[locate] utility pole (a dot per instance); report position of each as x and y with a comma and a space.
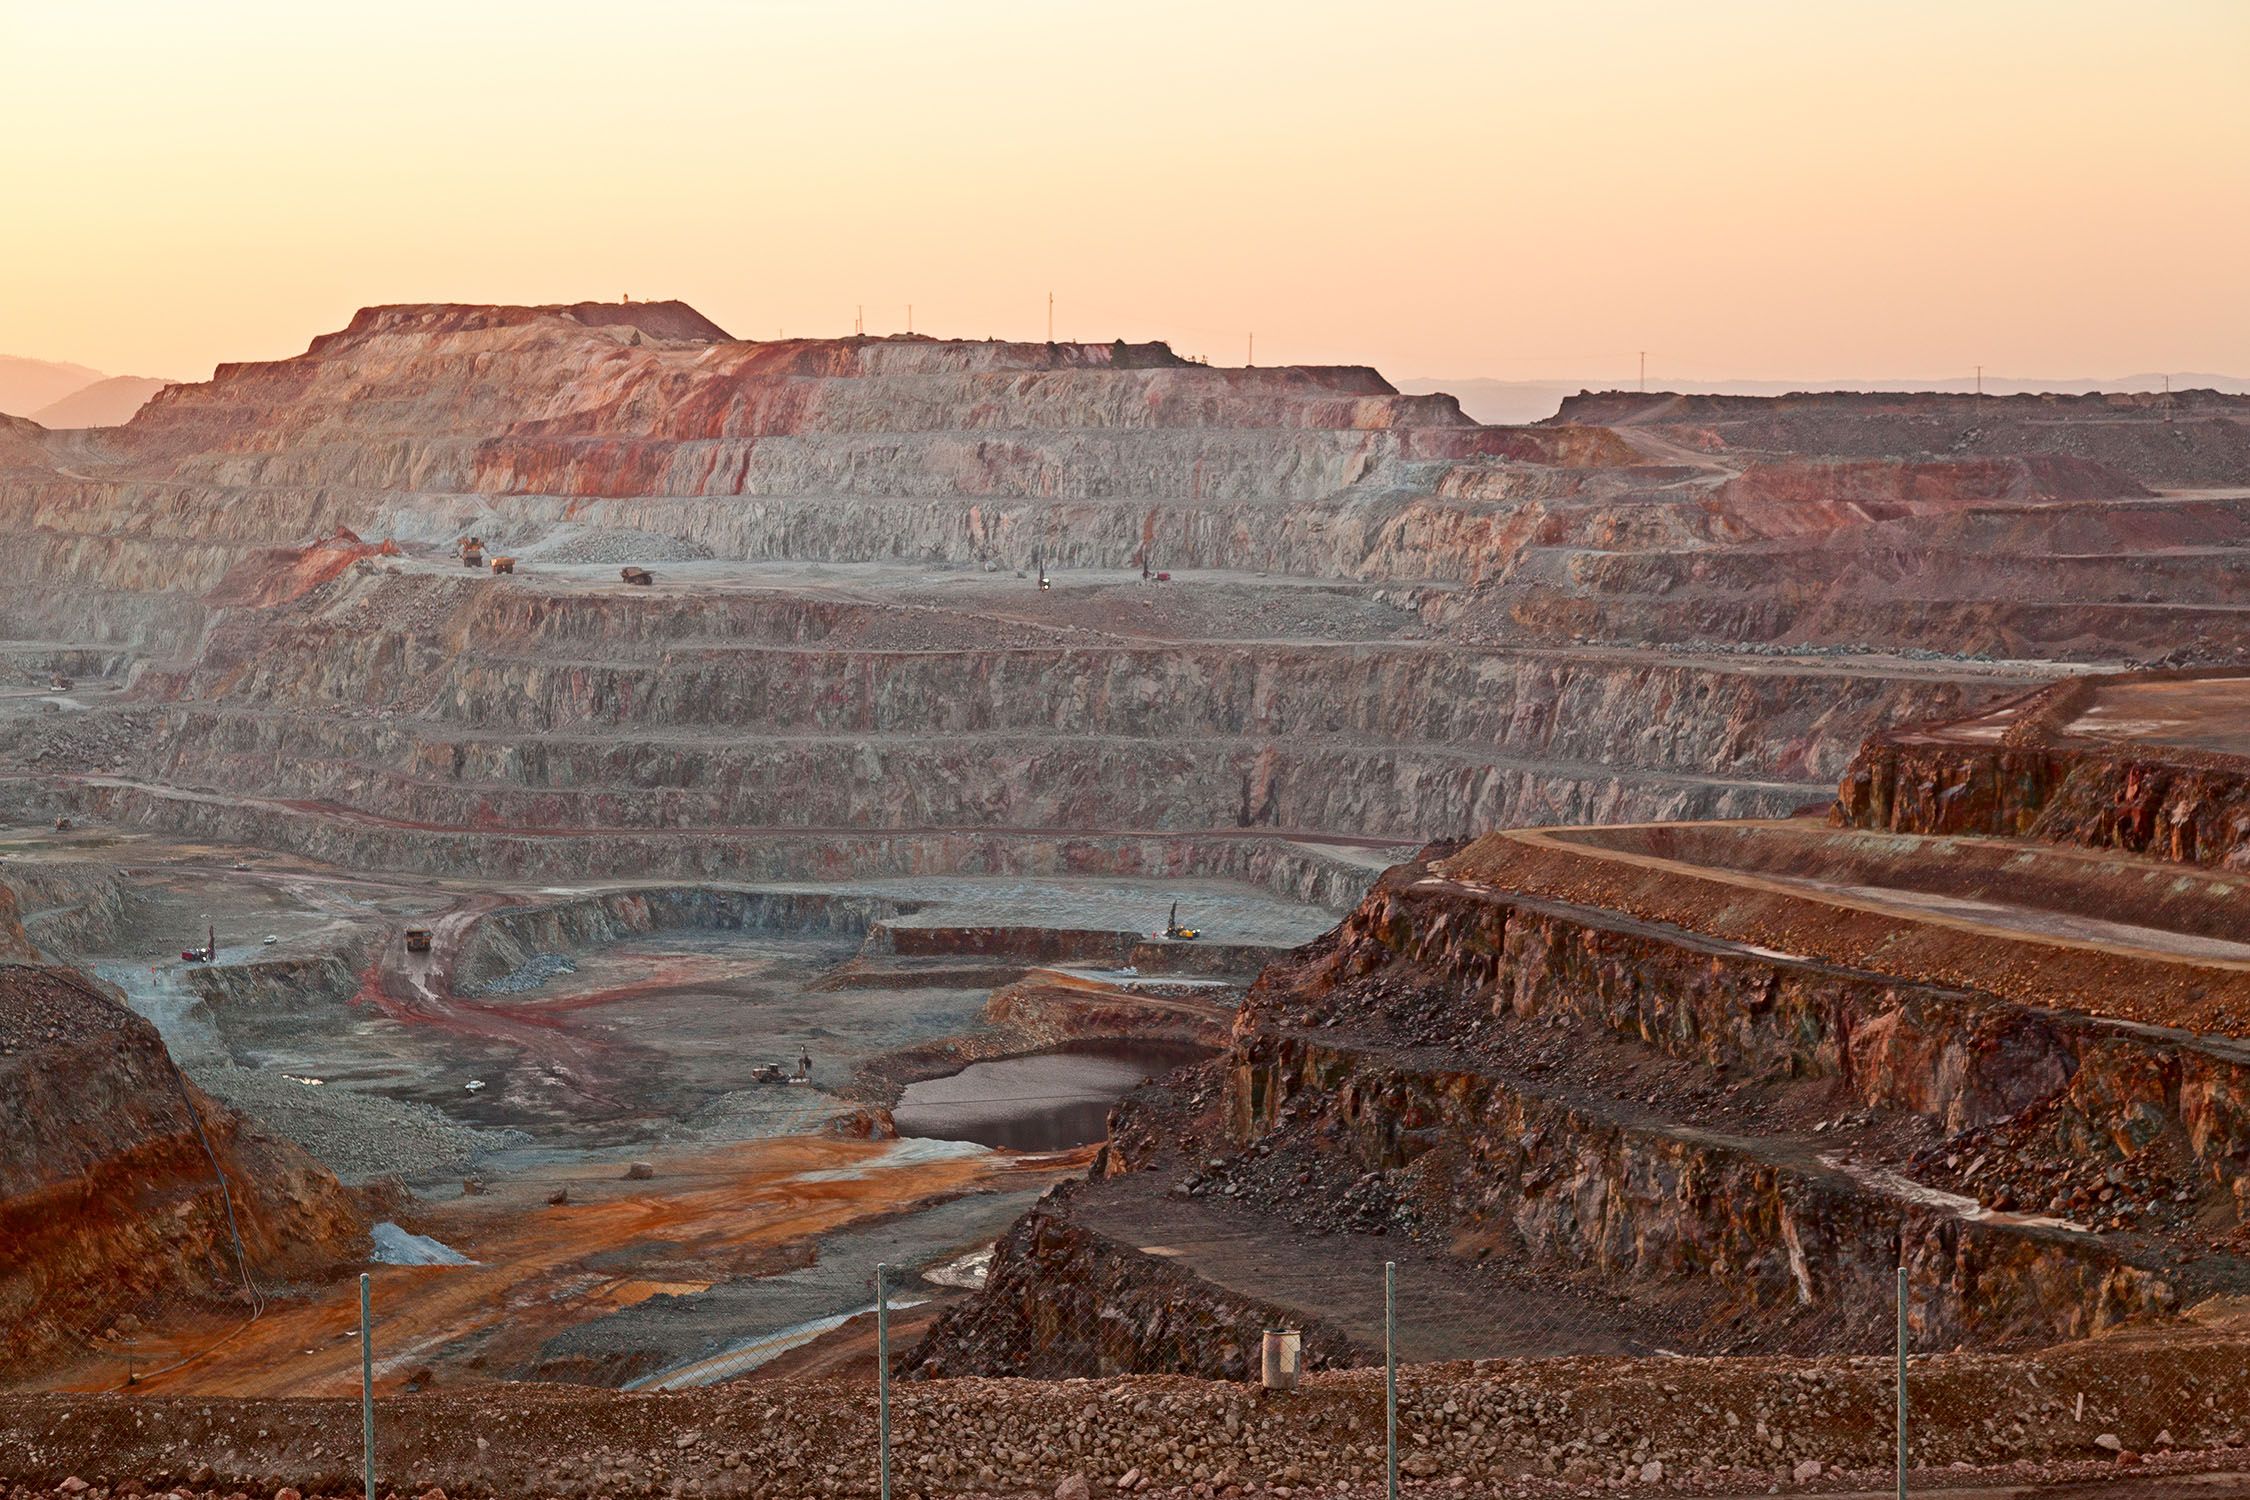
132, 1348
859, 319
909, 317
367, 1382
1050, 317
883, 1377
1980, 381
1390, 1380
1251, 356
1644, 371
1902, 1383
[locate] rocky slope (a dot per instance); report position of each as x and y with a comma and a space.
122, 1186
2154, 763
1388, 622
1698, 1087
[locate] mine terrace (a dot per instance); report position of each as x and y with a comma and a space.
1132, 846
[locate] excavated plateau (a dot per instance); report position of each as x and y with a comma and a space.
1382, 622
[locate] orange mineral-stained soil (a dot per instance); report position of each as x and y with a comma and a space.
744, 1210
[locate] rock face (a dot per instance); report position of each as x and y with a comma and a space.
1063, 1301
1728, 1077
1389, 621
111, 1166
2066, 765
15, 944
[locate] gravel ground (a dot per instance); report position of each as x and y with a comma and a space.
357, 1136
2099, 1413
533, 973
620, 544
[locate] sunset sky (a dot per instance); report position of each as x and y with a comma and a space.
1798, 189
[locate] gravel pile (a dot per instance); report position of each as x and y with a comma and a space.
357, 1136
619, 544
532, 974
1533, 1428
75, 740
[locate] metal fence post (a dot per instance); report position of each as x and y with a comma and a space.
367, 1380
1390, 1379
883, 1375
1902, 1383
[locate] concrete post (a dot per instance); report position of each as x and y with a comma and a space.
367, 1380
883, 1375
1390, 1379
1902, 1383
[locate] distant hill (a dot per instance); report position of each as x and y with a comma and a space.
1509, 402
105, 403
28, 384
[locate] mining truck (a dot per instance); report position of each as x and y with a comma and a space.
641, 576
417, 939
472, 553
503, 565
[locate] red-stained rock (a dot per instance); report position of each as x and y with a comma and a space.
107, 1195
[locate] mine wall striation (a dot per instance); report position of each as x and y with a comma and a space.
1457, 1065
2026, 772
501, 941
1966, 1059
1286, 864
264, 558
65, 906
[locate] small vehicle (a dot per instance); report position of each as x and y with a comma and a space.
241, 864
271, 939
1163, 578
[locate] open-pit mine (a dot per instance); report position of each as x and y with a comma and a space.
617, 831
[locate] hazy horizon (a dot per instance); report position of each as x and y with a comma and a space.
30, 386
1748, 190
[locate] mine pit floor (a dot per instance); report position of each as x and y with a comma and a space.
636, 1051
559, 1291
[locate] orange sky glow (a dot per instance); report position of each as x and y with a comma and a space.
1775, 189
